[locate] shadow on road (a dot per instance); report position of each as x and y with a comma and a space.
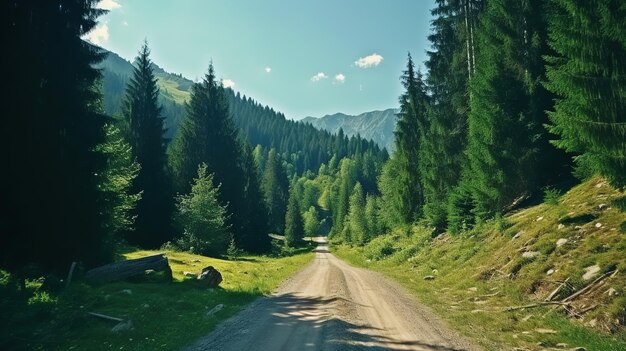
295, 314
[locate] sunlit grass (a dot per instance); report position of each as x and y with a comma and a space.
170, 88
165, 315
479, 273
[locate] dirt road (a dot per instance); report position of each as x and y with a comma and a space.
330, 305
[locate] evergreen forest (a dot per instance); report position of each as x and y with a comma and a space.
515, 99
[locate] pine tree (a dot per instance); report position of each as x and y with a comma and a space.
589, 75
294, 228
344, 184
311, 222
506, 137
396, 211
49, 172
357, 221
449, 72
275, 187
202, 218
208, 135
145, 132
372, 211
255, 238
410, 129
118, 202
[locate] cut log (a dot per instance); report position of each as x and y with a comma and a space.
556, 291
127, 269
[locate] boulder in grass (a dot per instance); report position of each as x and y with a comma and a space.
209, 277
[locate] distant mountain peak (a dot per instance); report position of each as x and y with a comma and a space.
376, 125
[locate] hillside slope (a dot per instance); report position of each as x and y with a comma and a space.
375, 125
174, 89
575, 244
307, 147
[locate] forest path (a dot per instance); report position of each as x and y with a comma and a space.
330, 305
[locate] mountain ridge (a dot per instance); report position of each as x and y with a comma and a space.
377, 125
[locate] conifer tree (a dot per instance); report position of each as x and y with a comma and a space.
344, 183
255, 237
49, 172
145, 132
449, 72
410, 129
311, 222
506, 136
294, 227
208, 135
275, 187
357, 221
371, 216
202, 218
395, 208
589, 75
115, 181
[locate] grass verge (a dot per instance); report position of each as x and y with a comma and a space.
165, 315
478, 274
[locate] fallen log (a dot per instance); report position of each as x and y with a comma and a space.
539, 304
586, 288
556, 291
104, 316
129, 268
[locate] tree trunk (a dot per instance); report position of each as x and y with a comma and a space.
467, 39
126, 269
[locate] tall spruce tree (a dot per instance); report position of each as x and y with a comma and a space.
143, 122
343, 186
395, 210
506, 136
356, 217
115, 182
589, 75
410, 129
449, 71
275, 187
208, 135
294, 226
49, 136
255, 237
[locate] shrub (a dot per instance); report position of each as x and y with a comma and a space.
551, 196
203, 218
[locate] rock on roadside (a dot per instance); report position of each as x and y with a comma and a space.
209, 277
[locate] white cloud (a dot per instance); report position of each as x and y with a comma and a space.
340, 78
228, 83
268, 69
108, 5
318, 77
125, 24
99, 35
372, 60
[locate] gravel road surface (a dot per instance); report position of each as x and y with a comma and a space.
330, 305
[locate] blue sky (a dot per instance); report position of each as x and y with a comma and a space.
301, 57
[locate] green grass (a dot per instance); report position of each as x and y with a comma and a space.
170, 88
166, 315
481, 272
